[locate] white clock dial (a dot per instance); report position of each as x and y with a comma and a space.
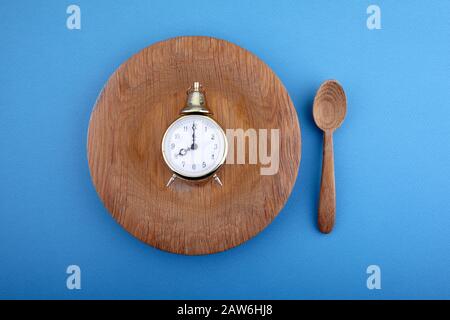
194, 146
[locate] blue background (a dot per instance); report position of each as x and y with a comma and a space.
392, 154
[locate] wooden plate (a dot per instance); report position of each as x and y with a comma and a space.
138, 103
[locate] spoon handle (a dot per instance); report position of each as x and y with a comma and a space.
327, 198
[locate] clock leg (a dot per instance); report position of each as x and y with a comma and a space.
172, 179
217, 179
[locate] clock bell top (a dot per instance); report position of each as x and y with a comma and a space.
196, 100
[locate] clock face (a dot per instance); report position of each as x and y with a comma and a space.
194, 146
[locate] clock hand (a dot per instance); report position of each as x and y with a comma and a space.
183, 151
193, 146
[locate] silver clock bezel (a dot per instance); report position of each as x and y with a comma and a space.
219, 164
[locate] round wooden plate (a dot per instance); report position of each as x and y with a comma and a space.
138, 103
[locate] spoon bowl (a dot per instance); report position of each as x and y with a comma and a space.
330, 106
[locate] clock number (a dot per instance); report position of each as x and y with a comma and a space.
193, 166
185, 128
206, 128
204, 164
215, 146
177, 136
183, 163
172, 146
212, 156
213, 137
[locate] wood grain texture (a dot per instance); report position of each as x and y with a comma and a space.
327, 196
329, 110
139, 102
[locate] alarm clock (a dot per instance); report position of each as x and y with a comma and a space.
194, 146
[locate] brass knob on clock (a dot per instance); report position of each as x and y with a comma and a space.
196, 100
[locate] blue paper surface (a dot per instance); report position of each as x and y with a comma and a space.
392, 154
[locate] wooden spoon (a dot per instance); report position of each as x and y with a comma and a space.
330, 107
